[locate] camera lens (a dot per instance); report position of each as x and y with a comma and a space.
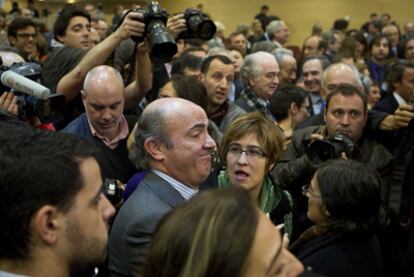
163, 45
202, 27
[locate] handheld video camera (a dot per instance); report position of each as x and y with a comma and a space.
34, 99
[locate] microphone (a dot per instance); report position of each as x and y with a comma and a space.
25, 85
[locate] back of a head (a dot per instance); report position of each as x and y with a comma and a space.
351, 192
283, 98
191, 89
211, 235
37, 168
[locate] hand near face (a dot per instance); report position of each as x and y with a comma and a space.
131, 26
176, 24
315, 137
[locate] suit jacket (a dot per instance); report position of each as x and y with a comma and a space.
388, 104
135, 224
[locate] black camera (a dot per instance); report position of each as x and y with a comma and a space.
322, 150
33, 99
198, 25
162, 44
112, 191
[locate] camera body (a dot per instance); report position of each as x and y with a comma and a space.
162, 44
48, 110
198, 25
322, 150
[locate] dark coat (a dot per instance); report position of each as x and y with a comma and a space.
340, 255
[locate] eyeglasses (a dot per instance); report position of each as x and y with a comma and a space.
307, 189
251, 152
26, 36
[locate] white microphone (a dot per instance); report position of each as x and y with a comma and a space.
22, 84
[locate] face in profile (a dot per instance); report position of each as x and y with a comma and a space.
87, 222
188, 159
316, 209
268, 256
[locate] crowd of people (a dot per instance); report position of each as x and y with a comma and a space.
167, 150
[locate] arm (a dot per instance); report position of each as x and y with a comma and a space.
143, 79
71, 84
401, 117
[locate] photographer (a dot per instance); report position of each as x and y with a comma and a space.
345, 114
71, 83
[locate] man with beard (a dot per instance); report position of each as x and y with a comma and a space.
217, 75
377, 64
55, 216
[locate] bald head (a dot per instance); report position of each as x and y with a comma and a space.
103, 98
172, 138
103, 77
339, 73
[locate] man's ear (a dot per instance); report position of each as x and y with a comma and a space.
155, 149
293, 109
202, 77
47, 222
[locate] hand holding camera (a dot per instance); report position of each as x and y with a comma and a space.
131, 26
321, 149
403, 115
176, 24
8, 103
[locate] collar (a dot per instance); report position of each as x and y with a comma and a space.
186, 192
399, 99
123, 133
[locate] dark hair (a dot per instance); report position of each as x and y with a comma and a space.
377, 39
206, 63
347, 90
64, 17
186, 61
210, 235
350, 191
402, 47
281, 100
193, 49
37, 168
191, 89
322, 59
359, 37
18, 24
397, 72
340, 24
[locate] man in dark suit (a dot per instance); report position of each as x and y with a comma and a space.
173, 144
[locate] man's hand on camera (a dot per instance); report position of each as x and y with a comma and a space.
8, 102
131, 26
176, 24
315, 136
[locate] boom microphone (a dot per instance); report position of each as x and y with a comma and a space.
25, 85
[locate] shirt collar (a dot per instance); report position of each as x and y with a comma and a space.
186, 192
123, 133
399, 99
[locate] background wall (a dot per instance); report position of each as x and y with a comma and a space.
300, 15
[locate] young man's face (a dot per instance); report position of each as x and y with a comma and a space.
77, 34
25, 40
87, 221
